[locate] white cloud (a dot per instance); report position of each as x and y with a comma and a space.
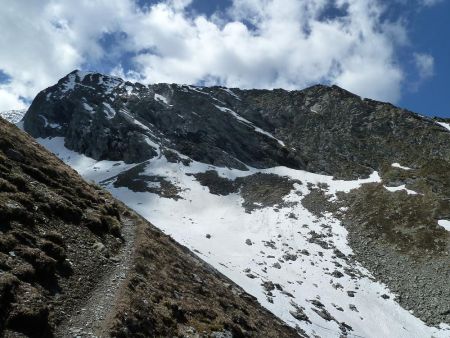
42, 41
425, 65
257, 44
289, 46
9, 100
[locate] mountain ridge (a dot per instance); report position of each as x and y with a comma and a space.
330, 124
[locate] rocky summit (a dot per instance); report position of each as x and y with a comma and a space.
333, 211
320, 129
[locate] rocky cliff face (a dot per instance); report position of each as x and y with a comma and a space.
319, 129
289, 193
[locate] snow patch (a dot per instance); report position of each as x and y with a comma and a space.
229, 91
50, 125
401, 187
129, 90
248, 123
397, 165
109, 111
87, 107
133, 120
163, 99
110, 83
445, 224
445, 125
69, 85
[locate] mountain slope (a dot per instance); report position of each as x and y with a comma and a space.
223, 172
76, 262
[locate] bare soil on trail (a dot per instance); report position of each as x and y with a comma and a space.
91, 318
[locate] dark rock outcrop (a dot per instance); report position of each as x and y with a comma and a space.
320, 129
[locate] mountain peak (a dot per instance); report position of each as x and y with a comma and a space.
230, 127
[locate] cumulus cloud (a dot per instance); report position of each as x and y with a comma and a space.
272, 43
9, 100
252, 44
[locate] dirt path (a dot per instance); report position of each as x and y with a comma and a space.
91, 317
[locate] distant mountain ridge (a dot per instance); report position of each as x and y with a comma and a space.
13, 116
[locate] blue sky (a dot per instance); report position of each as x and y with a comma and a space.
395, 51
430, 32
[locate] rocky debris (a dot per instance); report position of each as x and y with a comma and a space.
270, 244
351, 293
290, 257
320, 309
268, 286
339, 308
216, 184
258, 190
324, 314
353, 307
395, 236
317, 238
318, 202
339, 254
276, 265
135, 180
344, 327
299, 313
305, 252
317, 303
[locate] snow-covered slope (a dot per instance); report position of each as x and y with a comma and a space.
13, 116
298, 264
